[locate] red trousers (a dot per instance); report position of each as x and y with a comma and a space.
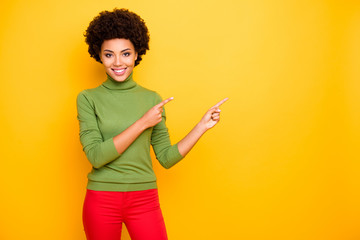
105, 211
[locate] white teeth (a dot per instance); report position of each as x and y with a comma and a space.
119, 71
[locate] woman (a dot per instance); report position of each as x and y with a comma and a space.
118, 121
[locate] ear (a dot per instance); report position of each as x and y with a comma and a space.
136, 55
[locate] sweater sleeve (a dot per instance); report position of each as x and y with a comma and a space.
98, 151
168, 155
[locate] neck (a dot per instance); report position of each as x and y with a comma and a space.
128, 83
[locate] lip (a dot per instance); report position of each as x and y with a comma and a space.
119, 73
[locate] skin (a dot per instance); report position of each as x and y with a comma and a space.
120, 54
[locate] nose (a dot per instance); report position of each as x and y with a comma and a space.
117, 61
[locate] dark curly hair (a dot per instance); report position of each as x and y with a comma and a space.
119, 23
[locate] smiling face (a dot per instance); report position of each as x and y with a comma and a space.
118, 56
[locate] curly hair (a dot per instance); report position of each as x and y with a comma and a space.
119, 23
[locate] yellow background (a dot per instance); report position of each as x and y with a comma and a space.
283, 162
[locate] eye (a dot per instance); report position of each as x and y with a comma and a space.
107, 55
126, 54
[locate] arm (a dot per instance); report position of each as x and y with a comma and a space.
152, 117
100, 152
209, 120
167, 154
97, 150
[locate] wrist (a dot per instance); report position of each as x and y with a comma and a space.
141, 124
201, 128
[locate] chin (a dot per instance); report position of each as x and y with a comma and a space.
118, 78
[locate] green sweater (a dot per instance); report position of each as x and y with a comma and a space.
106, 111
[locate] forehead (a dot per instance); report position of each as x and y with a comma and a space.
117, 44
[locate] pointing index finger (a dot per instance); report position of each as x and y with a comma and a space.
164, 102
219, 103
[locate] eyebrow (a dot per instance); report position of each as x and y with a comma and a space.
120, 51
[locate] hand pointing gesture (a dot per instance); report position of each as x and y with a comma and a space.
212, 116
154, 115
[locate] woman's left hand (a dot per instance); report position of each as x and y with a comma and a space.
212, 116
210, 119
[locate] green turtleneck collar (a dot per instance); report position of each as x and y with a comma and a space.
128, 83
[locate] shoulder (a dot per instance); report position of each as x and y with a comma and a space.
151, 93
89, 93
85, 96
82, 98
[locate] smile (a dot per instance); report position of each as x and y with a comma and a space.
119, 71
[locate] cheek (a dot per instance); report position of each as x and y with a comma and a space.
107, 62
131, 61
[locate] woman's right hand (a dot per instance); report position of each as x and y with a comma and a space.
154, 115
